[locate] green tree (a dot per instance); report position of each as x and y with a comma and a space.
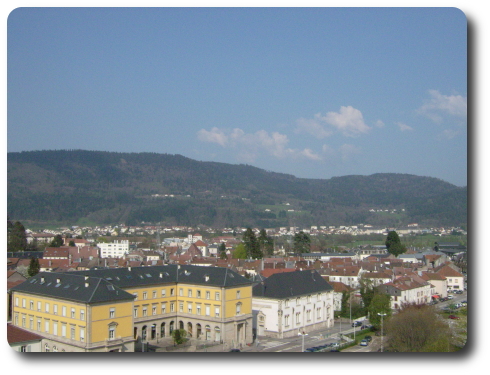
17, 240
179, 336
417, 328
240, 252
34, 267
266, 243
367, 291
57, 241
301, 242
380, 304
394, 245
251, 244
344, 307
71, 243
222, 251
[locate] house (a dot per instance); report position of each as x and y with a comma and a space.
439, 282
23, 341
288, 303
455, 279
407, 290
116, 249
338, 290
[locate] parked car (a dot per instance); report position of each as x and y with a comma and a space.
450, 296
464, 303
234, 350
453, 317
364, 342
368, 338
335, 345
356, 324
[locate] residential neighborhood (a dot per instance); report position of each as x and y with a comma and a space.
118, 294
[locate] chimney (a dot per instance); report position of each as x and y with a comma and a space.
129, 268
42, 279
58, 281
86, 277
206, 277
161, 274
86, 285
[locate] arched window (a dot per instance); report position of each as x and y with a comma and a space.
217, 334
162, 330
143, 333
46, 347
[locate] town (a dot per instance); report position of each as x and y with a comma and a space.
153, 288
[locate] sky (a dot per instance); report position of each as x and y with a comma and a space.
312, 92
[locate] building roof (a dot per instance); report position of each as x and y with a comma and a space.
16, 335
291, 284
171, 273
72, 286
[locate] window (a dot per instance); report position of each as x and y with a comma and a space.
145, 295
189, 293
216, 296
208, 310
46, 326
63, 330
297, 301
16, 319
39, 306
189, 308
135, 312
46, 347
112, 332
181, 292
208, 295
308, 299
63, 310
286, 303
46, 306
181, 306
298, 320
198, 294
164, 292
112, 312
318, 312
82, 334
172, 291
198, 309
73, 313
82, 314
17, 301
23, 349
216, 312
39, 325
24, 303
154, 310
308, 315
135, 296
23, 321
172, 307
154, 294
55, 328
286, 320
31, 322
238, 294
145, 311
31, 305
238, 308
72, 333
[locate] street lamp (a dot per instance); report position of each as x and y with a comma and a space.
382, 314
303, 334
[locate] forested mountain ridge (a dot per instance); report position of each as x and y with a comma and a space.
76, 186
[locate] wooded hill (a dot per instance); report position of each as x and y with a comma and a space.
76, 187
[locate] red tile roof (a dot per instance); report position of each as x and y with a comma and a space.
18, 335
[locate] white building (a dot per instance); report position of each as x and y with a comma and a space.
116, 249
288, 303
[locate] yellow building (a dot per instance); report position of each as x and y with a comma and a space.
74, 312
119, 309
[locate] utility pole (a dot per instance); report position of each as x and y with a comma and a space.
382, 314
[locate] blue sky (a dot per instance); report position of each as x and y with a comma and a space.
313, 92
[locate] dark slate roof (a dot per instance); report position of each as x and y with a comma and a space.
72, 287
172, 273
291, 284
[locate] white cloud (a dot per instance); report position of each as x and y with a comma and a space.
349, 121
449, 134
249, 146
404, 127
379, 124
440, 105
213, 136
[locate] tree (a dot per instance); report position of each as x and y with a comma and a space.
301, 242
34, 267
71, 243
57, 241
344, 307
367, 292
17, 240
240, 252
222, 251
394, 245
266, 243
380, 303
179, 336
417, 328
251, 244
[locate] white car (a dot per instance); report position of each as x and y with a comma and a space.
450, 296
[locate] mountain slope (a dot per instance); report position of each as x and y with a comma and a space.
109, 187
